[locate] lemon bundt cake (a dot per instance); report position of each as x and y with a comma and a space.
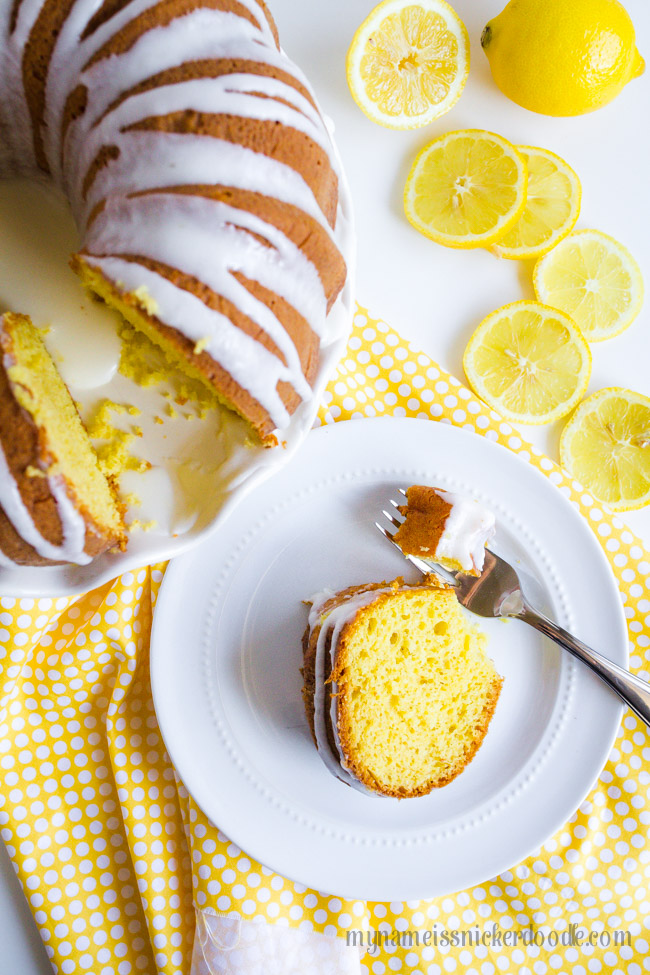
55, 504
200, 174
446, 528
398, 689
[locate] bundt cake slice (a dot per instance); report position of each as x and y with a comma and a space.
202, 179
448, 528
56, 506
398, 689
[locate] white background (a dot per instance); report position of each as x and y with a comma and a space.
434, 296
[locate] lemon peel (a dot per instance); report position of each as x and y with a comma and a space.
528, 362
408, 62
466, 188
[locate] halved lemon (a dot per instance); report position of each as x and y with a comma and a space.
408, 62
606, 446
529, 362
466, 189
593, 278
552, 207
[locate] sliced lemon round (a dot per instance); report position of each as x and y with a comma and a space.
408, 62
606, 446
529, 362
466, 189
552, 206
593, 278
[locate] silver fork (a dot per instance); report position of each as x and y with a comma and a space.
497, 592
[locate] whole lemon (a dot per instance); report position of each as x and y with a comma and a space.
562, 57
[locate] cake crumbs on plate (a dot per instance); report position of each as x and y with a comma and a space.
147, 365
132, 500
143, 526
114, 455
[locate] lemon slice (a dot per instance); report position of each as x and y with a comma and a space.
529, 362
552, 206
408, 62
593, 278
606, 446
466, 189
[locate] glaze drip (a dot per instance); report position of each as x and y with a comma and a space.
107, 122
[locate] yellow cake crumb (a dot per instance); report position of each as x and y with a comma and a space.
143, 526
114, 456
132, 500
32, 471
201, 345
140, 360
158, 419
171, 411
146, 300
100, 426
147, 365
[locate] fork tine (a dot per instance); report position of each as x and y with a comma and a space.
397, 514
396, 505
402, 491
392, 520
384, 531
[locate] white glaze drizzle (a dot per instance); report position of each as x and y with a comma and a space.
332, 624
201, 244
467, 530
281, 268
73, 527
228, 344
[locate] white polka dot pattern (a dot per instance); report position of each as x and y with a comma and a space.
109, 847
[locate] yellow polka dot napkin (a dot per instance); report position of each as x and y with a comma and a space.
123, 872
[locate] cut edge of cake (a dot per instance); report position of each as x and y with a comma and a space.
327, 647
56, 505
446, 527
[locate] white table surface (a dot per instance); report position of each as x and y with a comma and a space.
435, 296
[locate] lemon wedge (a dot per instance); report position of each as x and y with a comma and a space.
529, 362
466, 189
408, 62
552, 207
606, 446
595, 280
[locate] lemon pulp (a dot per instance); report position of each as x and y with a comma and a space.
606, 446
466, 189
408, 62
528, 362
552, 206
595, 280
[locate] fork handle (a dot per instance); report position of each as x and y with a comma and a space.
634, 691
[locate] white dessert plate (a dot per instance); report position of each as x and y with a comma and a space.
198, 470
226, 657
